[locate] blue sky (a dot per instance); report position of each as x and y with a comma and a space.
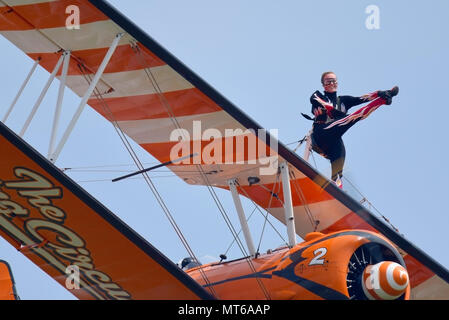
267, 57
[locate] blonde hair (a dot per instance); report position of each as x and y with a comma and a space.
325, 74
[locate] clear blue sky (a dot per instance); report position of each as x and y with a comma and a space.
267, 57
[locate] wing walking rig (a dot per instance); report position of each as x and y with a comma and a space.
122, 73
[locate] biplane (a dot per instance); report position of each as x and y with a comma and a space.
151, 97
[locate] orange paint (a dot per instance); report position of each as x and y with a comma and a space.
56, 224
311, 270
7, 290
152, 106
53, 14
123, 59
11, 21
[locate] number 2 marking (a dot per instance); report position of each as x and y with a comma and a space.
318, 259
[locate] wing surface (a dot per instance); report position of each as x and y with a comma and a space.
170, 111
75, 239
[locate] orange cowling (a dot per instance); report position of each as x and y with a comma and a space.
322, 267
7, 289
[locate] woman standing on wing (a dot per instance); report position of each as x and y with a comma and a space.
331, 120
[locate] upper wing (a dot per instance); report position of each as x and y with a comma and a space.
156, 100
74, 239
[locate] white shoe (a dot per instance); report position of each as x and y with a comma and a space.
339, 183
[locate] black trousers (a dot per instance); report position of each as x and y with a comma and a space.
330, 145
327, 137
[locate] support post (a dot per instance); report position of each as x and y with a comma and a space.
242, 218
288, 204
65, 68
308, 147
86, 97
41, 97
19, 93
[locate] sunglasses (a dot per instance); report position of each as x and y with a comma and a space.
330, 81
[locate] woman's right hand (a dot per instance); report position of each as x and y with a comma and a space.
317, 112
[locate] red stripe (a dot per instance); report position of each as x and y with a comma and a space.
360, 113
162, 150
10, 20
53, 14
349, 221
181, 103
123, 59
418, 273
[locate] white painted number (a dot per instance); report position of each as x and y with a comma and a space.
318, 259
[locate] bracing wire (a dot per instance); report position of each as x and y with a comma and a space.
234, 233
272, 195
265, 216
148, 181
172, 116
364, 199
303, 199
268, 211
238, 233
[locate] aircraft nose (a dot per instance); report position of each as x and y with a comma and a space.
386, 280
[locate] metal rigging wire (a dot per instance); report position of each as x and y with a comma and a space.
272, 195
173, 118
149, 182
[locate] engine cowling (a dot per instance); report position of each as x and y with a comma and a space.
375, 272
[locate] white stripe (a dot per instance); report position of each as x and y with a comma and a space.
390, 276
131, 83
79, 85
137, 82
218, 174
93, 35
30, 41
159, 130
434, 288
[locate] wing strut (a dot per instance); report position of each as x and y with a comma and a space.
288, 204
41, 97
86, 96
308, 148
19, 93
242, 218
65, 68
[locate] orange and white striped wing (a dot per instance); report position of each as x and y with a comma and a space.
150, 94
